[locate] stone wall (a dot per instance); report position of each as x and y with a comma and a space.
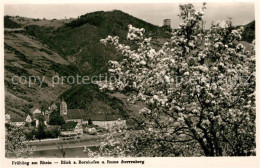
109, 124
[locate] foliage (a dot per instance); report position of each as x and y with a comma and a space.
90, 122
33, 123
27, 124
46, 51
15, 143
199, 91
48, 133
95, 20
52, 133
41, 134
56, 118
249, 33
29, 136
8, 23
65, 70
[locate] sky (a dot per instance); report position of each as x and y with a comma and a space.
240, 12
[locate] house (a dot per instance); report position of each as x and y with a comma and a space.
71, 128
53, 107
107, 121
110, 124
28, 119
36, 111
17, 121
7, 118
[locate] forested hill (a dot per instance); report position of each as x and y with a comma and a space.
79, 40
249, 33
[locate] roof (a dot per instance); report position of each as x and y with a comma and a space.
75, 114
7, 116
53, 106
36, 111
29, 116
81, 114
103, 117
69, 126
17, 119
38, 115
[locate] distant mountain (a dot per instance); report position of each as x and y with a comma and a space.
79, 40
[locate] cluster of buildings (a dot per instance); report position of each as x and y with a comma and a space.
35, 116
74, 119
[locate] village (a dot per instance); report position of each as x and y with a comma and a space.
63, 123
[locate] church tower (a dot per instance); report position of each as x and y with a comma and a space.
63, 108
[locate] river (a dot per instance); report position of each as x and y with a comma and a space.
69, 153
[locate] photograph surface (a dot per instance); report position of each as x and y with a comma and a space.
129, 80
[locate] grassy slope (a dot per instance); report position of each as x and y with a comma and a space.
25, 56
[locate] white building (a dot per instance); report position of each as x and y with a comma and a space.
37, 123
36, 111
53, 107
28, 119
7, 118
71, 128
110, 124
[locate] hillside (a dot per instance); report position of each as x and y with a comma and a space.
9, 23
89, 97
249, 33
24, 56
79, 40
65, 49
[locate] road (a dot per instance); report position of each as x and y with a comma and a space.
85, 140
